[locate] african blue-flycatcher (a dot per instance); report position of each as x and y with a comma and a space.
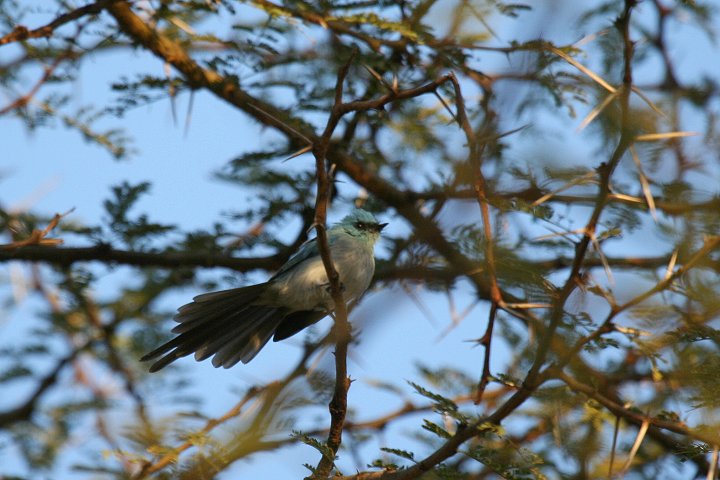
233, 325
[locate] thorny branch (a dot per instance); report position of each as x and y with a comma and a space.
475, 153
338, 404
607, 326
635, 417
341, 328
21, 33
605, 171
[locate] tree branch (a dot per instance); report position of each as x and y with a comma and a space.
634, 417
198, 77
475, 152
341, 328
605, 171
20, 33
66, 256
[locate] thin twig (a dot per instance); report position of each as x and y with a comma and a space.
172, 456
37, 237
605, 171
23, 100
338, 404
630, 415
21, 33
486, 341
607, 325
475, 152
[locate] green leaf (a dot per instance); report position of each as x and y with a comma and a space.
321, 447
441, 404
400, 453
436, 429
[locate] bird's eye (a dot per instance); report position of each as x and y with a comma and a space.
360, 225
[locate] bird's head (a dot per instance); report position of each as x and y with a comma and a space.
361, 223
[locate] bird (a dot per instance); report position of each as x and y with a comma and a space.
234, 325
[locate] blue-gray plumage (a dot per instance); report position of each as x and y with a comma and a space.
233, 325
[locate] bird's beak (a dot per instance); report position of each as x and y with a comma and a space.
381, 226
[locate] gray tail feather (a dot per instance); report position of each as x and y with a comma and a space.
209, 306
225, 324
245, 346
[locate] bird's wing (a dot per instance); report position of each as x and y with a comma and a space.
308, 250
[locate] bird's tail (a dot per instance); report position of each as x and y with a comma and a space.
226, 324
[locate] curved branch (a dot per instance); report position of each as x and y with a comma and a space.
199, 77
635, 417
20, 32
